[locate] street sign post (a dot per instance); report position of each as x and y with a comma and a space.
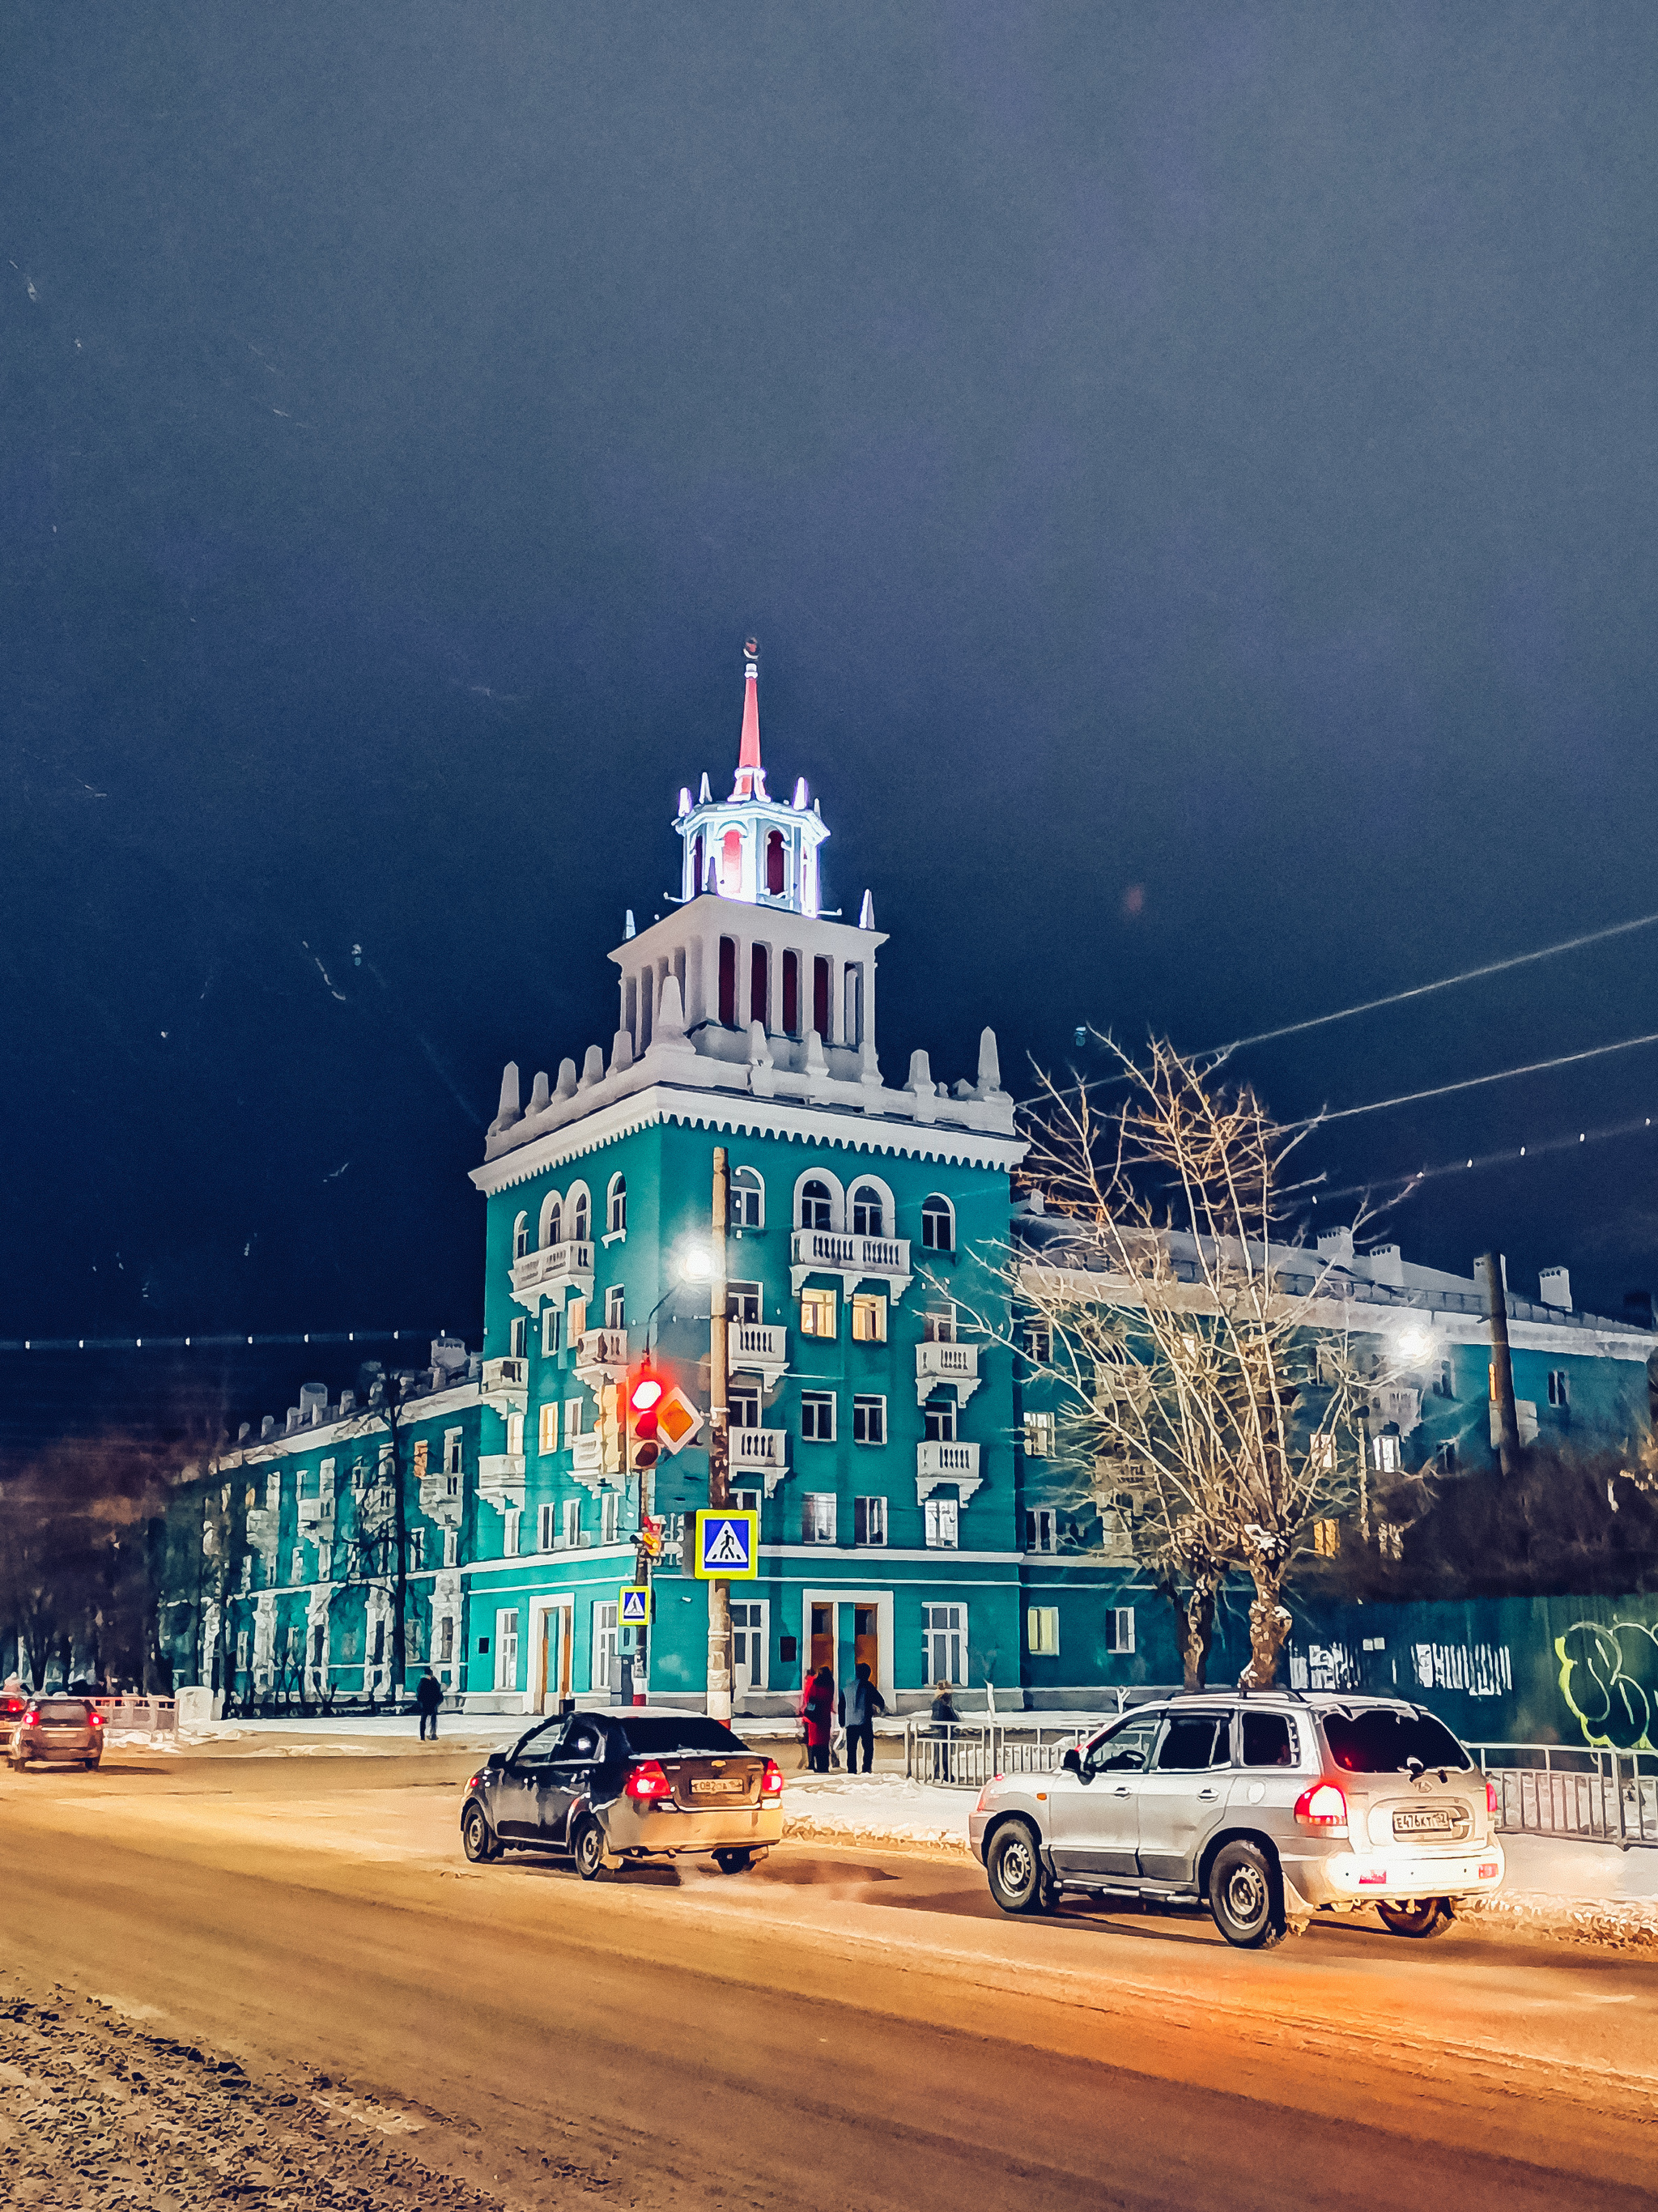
633, 1608
725, 1546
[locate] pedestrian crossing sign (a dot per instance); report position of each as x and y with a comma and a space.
635, 1609
727, 1546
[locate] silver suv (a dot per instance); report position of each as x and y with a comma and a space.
1270, 1807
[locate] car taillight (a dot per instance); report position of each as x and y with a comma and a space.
31, 1719
477, 1782
647, 1782
97, 1720
1323, 1806
1490, 1797
771, 1781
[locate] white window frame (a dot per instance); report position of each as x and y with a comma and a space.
1041, 1529
547, 1523
930, 1204
296, 1564
1041, 1624
615, 1306
518, 1336
872, 1512
547, 1431
816, 1403
453, 1441
1387, 1453
862, 1403
817, 1302
818, 1514
506, 1651
870, 1308
606, 1634
417, 1551
521, 1236
451, 1547
615, 1207
552, 1219
748, 1198
609, 1516
943, 1516
1559, 1386
832, 1184
938, 1326
759, 1629
573, 1419
747, 1395
1039, 1435
1120, 1630
944, 1644
941, 1420
570, 1524
883, 1201
515, 1435
509, 1526
550, 1330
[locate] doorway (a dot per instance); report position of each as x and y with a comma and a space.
866, 1639
823, 1636
555, 1656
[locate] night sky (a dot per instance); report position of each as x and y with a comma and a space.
1191, 470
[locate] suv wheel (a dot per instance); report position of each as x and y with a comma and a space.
1017, 1881
588, 1849
1423, 1915
476, 1839
1246, 1898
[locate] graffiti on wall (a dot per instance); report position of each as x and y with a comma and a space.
1609, 1680
1478, 1670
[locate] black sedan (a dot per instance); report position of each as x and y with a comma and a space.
640, 1784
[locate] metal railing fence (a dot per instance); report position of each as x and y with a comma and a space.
1573, 1792
139, 1716
966, 1754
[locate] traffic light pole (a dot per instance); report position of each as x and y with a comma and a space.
719, 1484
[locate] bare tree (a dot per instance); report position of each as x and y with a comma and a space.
375, 1555
1185, 1342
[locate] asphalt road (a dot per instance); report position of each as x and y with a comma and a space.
320, 2003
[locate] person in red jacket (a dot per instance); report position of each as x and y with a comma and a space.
818, 1711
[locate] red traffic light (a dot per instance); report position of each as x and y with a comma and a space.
646, 1394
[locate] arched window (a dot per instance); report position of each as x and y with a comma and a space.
776, 864
938, 1224
817, 1206
731, 863
760, 986
791, 994
868, 1216
618, 1203
699, 873
552, 1221
748, 1199
520, 1236
728, 982
579, 1218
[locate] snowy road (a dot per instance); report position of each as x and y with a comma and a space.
845, 2026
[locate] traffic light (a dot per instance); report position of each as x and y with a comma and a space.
644, 1396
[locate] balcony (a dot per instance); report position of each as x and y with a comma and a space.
942, 1462
317, 1516
764, 1452
854, 1259
441, 1498
593, 1461
937, 1363
507, 1384
753, 1350
262, 1529
551, 1273
501, 1481
601, 1356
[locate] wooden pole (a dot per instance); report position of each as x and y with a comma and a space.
1501, 1389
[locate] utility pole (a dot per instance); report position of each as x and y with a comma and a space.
1502, 1390
719, 1484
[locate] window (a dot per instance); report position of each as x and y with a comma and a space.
573, 1419
509, 1535
515, 1435
1268, 1740
1327, 1539
743, 1302
318, 1637
748, 1642
571, 1531
1322, 1452
817, 1416
610, 1517
521, 1236
776, 861
1041, 1630
326, 1479
296, 1568
445, 1641
1038, 1342
579, 1216
1039, 1435
548, 1516
1039, 1531
547, 1435
869, 1316
507, 1650
451, 1547
748, 1199
324, 1562
517, 1337
617, 1202
616, 1306
943, 1523
820, 997
817, 1316
817, 1517
792, 995
944, 1644
416, 1550
939, 1420
851, 1026
1445, 1462
1384, 1450
1192, 1741
869, 1420
451, 1448
1124, 1749
728, 982
760, 986
817, 1205
869, 1520
937, 1224
1559, 1387
549, 1318
939, 1327
1120, 1628
552, 1221
745, 1501
377, 1654
743, 1406
868, 1214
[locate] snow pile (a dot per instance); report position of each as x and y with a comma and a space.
878, 1809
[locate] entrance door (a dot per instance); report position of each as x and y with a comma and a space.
823, 1636
865, 1640
1095, 1817
558, 1654
606, 1673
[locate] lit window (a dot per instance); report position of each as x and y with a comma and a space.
1385, 1451
748, 1199
869, 1316
547, 1435
1327, 1539
1042, 1631
869, 1420
817, 1314
515, 1435
869, 1520
618, 1204
817, 1517
1039, 1435
816, 1206
868, 1214
943, 1520
937, 1224
817, 1416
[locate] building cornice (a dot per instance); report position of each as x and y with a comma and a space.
361, 1422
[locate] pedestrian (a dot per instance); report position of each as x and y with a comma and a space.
818, 1710
944, 1710
859, 1706
428, 1696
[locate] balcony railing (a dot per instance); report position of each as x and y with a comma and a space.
601, 1351
936, 1462
754, 1349
507, 1381
854, 1259
262, 1529
439, 1503
550, 1273
316, 1512
500, 1479
764, 1452
946, 1363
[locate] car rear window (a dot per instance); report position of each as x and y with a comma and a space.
1379, 1741
658, 1736
61, 1709
1267, 1741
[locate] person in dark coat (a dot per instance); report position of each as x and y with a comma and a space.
818, 1711
428, 1696
859, 1706
943, 1706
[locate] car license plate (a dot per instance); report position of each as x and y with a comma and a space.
1425, 1823
703, 1786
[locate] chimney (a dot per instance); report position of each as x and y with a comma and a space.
1336, 1244
1554, 1288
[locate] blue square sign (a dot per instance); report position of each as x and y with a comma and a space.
727, 1546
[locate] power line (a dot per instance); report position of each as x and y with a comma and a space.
1474, 1082
1510, 1156
209, 1343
